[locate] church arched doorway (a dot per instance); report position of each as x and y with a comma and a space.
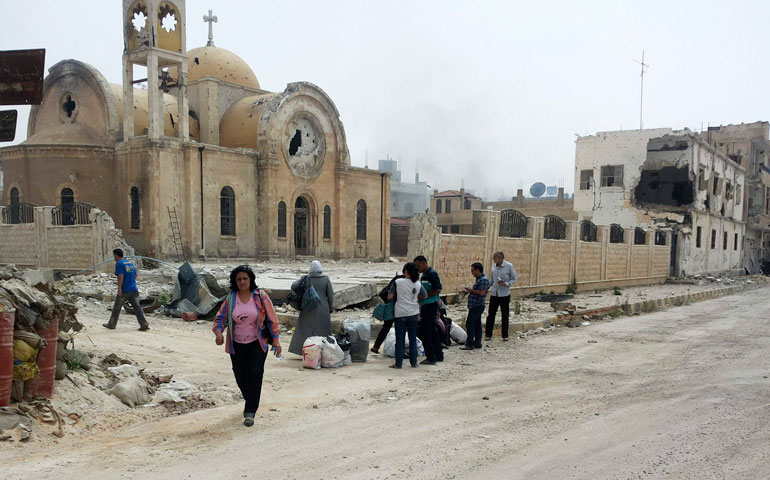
301, 226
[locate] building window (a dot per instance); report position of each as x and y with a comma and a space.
135, 213
724, 241
640, 236
735, 244
713, 239
702, 185
715, 185
738, 194
697, 237
67, 206
227, 211
660, 238
586, 179
361, 220
447, 206
438, 206
327, 222
617, 234
467, 204
455, 229
281, 219
612, 176
444, 229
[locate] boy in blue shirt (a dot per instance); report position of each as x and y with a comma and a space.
127, 292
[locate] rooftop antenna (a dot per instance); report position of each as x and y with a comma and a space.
641, 94
462, 183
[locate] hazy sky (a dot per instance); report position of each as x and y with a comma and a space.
489, 92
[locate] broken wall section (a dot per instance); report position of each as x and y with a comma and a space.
62, 247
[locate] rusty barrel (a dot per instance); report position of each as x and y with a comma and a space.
46, 361
6, 356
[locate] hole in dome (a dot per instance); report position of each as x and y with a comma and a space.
295, 143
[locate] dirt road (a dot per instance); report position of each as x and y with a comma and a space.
682, 393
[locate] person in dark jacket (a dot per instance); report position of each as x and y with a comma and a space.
431, 341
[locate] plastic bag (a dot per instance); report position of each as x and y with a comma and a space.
332, 355
384, 311
389, 346
311, 352
457, 333
359, 332
23, 351
343, 340
132, 392
347, 360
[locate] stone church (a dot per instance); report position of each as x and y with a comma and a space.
203, 161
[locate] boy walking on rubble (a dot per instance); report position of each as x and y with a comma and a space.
127, 292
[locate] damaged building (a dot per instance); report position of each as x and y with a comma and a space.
749, 145
202, 161
659, 181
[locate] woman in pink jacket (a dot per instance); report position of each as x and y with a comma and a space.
252, 326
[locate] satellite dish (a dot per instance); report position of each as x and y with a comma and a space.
537, 189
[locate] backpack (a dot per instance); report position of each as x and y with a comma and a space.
384, 292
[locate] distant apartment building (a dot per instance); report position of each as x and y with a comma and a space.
406, 198
657, 180
454, 210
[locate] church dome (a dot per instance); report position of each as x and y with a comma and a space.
222, 64
240, 123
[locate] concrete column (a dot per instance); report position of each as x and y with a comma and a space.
183, 107
651, 250
532, 230
42, 218
629, 237
604, 232
538, 243
128, 98
574, 238
154, 98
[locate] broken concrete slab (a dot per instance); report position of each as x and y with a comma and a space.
40, 276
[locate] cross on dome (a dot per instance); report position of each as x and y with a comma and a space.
211, 20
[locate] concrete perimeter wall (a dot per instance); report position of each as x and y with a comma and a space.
61, 247
541, 264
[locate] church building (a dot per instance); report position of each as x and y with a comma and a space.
201, 162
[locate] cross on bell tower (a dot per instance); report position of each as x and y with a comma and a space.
211, 20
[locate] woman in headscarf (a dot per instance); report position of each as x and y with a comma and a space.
318, 321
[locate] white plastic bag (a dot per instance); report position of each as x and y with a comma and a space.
389, 346
311, 352
133, 392
332, 355
347, 360
457, 333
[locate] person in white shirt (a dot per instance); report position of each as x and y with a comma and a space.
502, 277
407, 291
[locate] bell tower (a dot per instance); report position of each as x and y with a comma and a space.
154, 37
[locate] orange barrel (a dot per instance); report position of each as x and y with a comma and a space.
46, 361
6, 356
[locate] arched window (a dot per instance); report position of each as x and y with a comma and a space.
281, 219
361, 220
438, 206
617, 234
660, 238
135, 214
67, 206
640, 236
227, 211
327, 221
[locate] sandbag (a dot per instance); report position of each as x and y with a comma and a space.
78, 357
347, 360
133, 391
389, 345
23, 351
457, 333
332, 355
359, 332
311, 352
33, 339
25, 370
61, 370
